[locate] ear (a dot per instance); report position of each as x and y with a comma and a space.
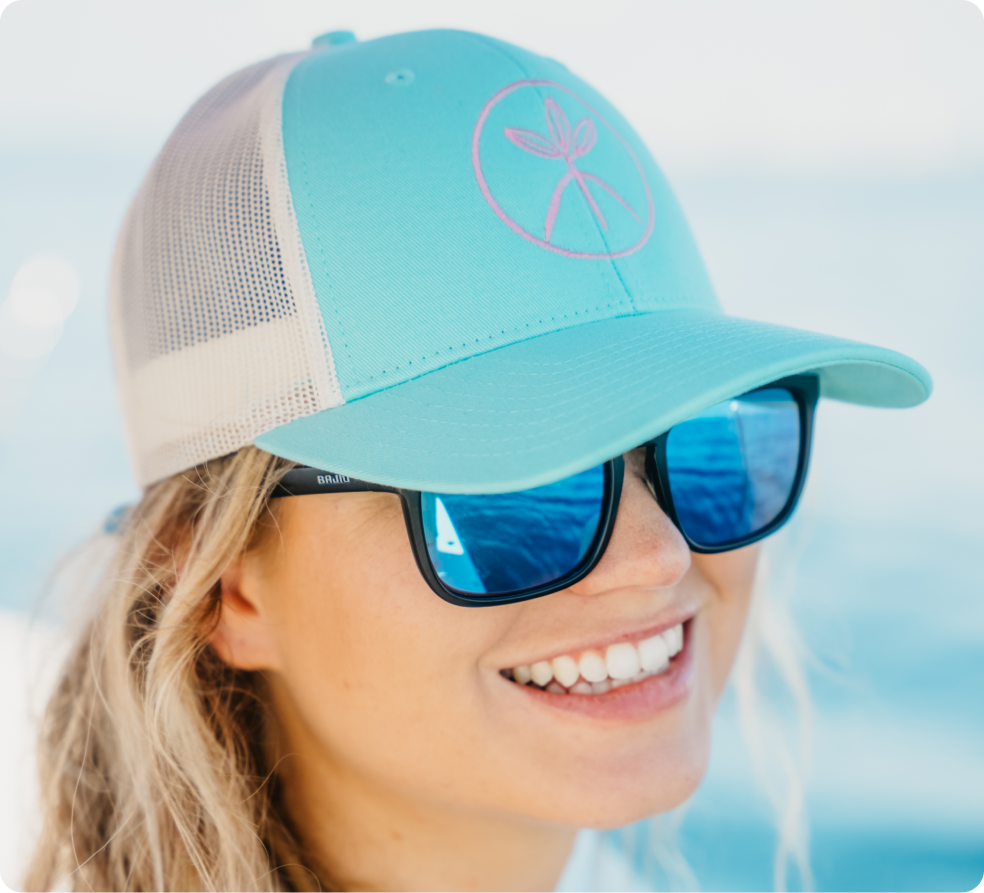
244, 637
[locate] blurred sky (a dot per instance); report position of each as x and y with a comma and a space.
868, 86
830, 158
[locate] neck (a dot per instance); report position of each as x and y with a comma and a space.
363, 833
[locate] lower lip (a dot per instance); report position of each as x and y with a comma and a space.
637, 701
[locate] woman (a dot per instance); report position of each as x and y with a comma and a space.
455, 477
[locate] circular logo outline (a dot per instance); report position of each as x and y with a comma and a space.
512, 224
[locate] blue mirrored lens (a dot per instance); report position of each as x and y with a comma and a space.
510, 542
732, 469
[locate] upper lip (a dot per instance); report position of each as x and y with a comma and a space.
599, 642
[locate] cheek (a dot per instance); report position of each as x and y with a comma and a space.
370, 655
729, 578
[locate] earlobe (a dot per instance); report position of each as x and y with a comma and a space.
243, 636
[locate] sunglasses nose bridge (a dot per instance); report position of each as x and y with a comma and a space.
653, 479
644, 548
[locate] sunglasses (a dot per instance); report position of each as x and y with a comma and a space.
726, 478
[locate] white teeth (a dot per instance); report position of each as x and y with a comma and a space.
565, 670
593, 667
542, 673
655, 653
623, 663
622, 660
674, 639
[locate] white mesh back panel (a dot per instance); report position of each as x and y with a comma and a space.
216, 329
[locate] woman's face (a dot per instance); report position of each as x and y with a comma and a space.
382, 680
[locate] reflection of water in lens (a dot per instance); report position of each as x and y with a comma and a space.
516, 540
732, 468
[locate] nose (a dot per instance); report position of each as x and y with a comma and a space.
646, 549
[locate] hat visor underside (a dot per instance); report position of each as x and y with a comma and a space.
534, 412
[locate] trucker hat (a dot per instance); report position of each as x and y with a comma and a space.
432, 260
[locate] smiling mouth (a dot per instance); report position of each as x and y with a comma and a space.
598, 671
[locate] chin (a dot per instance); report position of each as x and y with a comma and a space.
650, 793
631, 787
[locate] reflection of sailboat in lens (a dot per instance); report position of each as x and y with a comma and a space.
568, 145
453, 565
447, 536
504, 542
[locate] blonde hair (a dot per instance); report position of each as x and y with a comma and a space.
154, 754
775, 715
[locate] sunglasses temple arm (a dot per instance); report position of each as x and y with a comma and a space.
305, 481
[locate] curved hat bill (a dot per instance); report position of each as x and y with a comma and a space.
539, 410
431, 260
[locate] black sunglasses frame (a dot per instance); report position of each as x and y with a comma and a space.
304, 481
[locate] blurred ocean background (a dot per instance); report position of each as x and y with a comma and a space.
830, 158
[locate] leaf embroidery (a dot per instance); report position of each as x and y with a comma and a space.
562, 143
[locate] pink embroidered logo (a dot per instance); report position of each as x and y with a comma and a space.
502, 180
569, 146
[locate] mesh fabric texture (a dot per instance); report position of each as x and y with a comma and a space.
216, 329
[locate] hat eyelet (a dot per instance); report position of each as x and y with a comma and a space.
403, 77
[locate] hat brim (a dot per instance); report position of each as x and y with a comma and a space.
542, 409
